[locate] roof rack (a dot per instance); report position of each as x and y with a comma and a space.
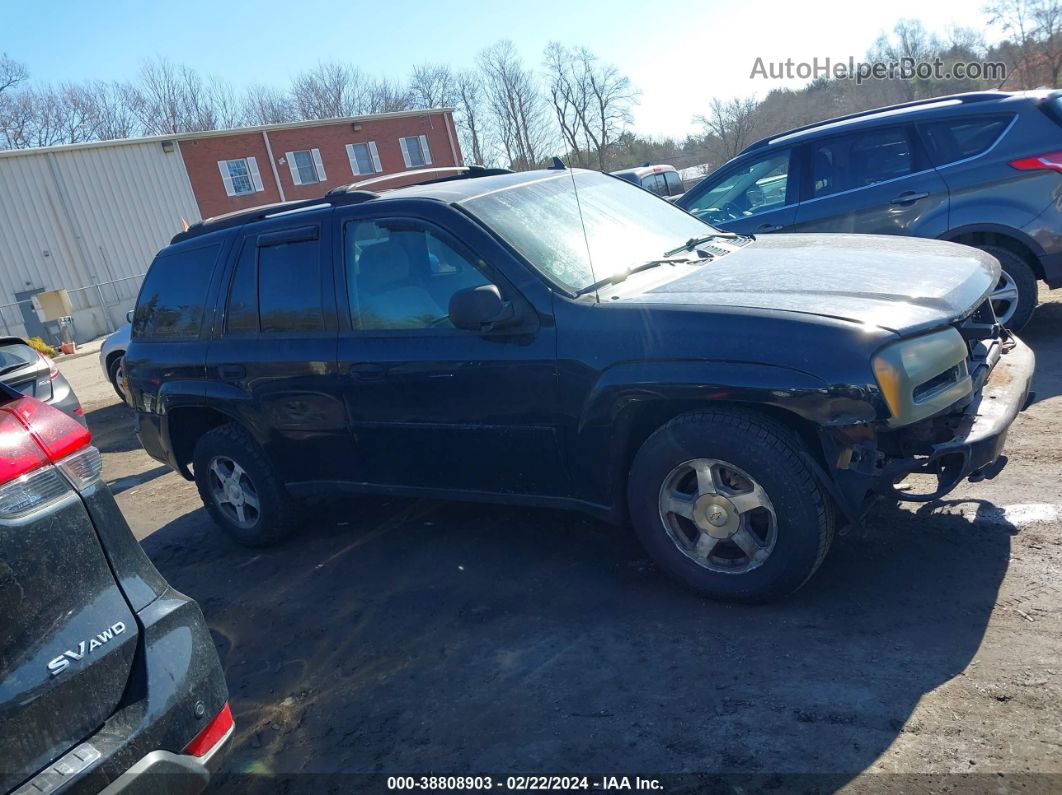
971, 96
333, 198
455, 172
344, 194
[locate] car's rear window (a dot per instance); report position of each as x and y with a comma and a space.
15, 356
958, 139
171, 300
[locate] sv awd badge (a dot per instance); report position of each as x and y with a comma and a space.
62, 662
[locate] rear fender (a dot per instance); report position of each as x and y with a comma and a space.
176, 397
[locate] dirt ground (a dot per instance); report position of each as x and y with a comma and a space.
407, 637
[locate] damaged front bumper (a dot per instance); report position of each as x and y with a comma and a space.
949, 448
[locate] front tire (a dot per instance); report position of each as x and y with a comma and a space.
1014, 297
723, 502
240, 489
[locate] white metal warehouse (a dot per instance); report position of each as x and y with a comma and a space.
88, 218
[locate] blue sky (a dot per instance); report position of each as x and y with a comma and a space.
679, 53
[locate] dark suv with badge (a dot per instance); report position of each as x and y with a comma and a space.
564, 338
109, 680
984, 169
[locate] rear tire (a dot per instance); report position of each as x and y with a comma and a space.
240, 489
1015, 294
780, 522
114, 374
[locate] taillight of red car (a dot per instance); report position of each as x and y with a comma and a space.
1048, 162
43, 455
53, 368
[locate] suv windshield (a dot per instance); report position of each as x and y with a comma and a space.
625, 226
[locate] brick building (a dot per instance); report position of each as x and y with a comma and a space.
237, 169
90, 217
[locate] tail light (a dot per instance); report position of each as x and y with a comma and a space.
43, 455
53, 369
208, 741
1050, 162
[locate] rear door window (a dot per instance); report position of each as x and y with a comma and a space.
958, 139
171, 299
674, 184
289, 284
241, 316
859, 161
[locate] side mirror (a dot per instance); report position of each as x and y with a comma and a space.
480, 309
129, 315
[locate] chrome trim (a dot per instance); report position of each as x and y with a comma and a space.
865, 187
62, 771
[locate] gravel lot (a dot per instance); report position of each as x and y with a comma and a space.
411, 637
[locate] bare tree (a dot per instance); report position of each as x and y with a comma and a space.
330, 90
592, 101
730, 123
569, 94
116, 110
267, 105
226, 108
515, 104
1034, 28
433, 86
173, 98
469, 116
11, 73
385, 96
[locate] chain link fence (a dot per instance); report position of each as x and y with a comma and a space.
97, 309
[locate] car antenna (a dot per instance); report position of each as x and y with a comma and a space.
558, 164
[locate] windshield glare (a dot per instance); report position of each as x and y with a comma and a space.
625, 225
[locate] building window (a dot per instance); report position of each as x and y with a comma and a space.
364, 159
240, 177
415, 151
306, 166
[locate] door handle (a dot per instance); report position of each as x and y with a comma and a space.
232, 371
366, 372
908, 197
769, 228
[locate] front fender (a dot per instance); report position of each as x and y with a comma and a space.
613, 419
699, 381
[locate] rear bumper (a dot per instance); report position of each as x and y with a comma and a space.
980, 433
1052, 265
176, 687
167, 773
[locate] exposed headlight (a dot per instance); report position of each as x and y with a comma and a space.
920, 376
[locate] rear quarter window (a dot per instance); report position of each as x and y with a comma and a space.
15, 356
174, 292
958, 139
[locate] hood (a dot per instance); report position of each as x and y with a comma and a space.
897, 283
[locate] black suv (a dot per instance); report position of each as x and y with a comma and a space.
984, 169
108, 677
564, 338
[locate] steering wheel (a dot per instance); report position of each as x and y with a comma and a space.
732, 211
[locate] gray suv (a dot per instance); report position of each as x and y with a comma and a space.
984, 169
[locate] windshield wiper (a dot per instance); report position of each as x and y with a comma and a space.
12, 367
693, 242
616, 278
